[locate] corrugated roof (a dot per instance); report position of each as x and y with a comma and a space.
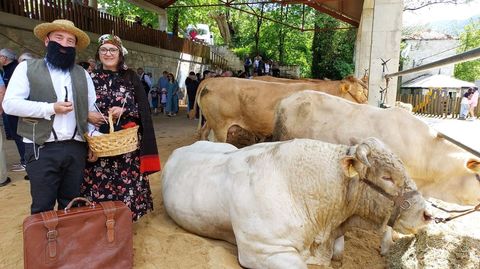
349, 11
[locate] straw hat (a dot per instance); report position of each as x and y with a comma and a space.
43, 29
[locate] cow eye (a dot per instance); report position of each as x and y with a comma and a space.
387, 178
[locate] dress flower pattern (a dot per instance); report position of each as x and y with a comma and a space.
117, 177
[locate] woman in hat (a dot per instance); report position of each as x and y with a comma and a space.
120, 92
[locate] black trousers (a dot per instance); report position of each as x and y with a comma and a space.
57, 174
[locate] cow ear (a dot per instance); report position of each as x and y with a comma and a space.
354, 141
473, 164
347, 163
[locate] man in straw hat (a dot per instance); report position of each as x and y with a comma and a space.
52, 98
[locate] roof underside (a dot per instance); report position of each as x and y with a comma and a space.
348, 11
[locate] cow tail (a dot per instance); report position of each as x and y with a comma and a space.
199, 119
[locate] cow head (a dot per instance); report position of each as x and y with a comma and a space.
386, 191
356, 88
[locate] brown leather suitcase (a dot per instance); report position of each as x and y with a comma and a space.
92, 236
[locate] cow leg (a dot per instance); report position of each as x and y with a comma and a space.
286, 260
240, 137
204, 131
281, 259
322, 249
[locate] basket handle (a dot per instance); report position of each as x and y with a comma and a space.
110, 122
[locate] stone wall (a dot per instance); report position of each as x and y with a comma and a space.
17, 33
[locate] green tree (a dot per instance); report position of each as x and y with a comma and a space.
128, 11
332, 49
469, 39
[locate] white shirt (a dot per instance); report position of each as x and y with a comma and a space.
267, 68
18, 90
147, 79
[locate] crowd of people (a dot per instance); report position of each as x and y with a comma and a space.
259, 67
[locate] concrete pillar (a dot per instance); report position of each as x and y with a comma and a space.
162, 20
378, 37
93, 3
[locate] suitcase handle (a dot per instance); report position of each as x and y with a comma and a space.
82, 199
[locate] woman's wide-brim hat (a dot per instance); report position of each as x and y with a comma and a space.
43, 29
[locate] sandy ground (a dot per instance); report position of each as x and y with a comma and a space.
158, 241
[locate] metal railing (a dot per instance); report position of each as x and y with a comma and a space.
92, 20
462, 57
455, 59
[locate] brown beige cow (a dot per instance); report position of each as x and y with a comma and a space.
440, 169
240, 111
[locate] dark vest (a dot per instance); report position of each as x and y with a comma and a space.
41, 90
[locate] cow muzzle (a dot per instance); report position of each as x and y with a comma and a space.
401, 202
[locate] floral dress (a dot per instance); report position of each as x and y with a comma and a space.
117, 177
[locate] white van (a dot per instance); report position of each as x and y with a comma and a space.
203, 33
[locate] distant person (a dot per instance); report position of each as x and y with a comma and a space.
4, 179
163, 81
191, 83
268, 66
247, 64
227, 73
25, 56
93, 64
163, 100
465, 105
172, 96
8, 59
145, 79
84, 65
154, 96
206, 74
473, 103
193, 34
138, 20
275, 69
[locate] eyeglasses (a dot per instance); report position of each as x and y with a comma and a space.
104, 51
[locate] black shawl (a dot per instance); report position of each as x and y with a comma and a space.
149, 159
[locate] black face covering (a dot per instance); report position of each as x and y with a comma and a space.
60, 56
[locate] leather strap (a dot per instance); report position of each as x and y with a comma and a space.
109, 211
50, 221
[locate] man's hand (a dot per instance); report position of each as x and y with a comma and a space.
96, 118
91, 156
62, 107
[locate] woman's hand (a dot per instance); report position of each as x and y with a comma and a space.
91, 156
116, 112
96, 118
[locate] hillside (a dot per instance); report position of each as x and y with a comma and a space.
449, 27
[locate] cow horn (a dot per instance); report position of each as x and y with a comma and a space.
362, 152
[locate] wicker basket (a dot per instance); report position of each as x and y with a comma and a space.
114, 143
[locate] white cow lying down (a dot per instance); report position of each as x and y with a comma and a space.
284, 204
439, 168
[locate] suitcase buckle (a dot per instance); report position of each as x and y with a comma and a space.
52, 235
110, 224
